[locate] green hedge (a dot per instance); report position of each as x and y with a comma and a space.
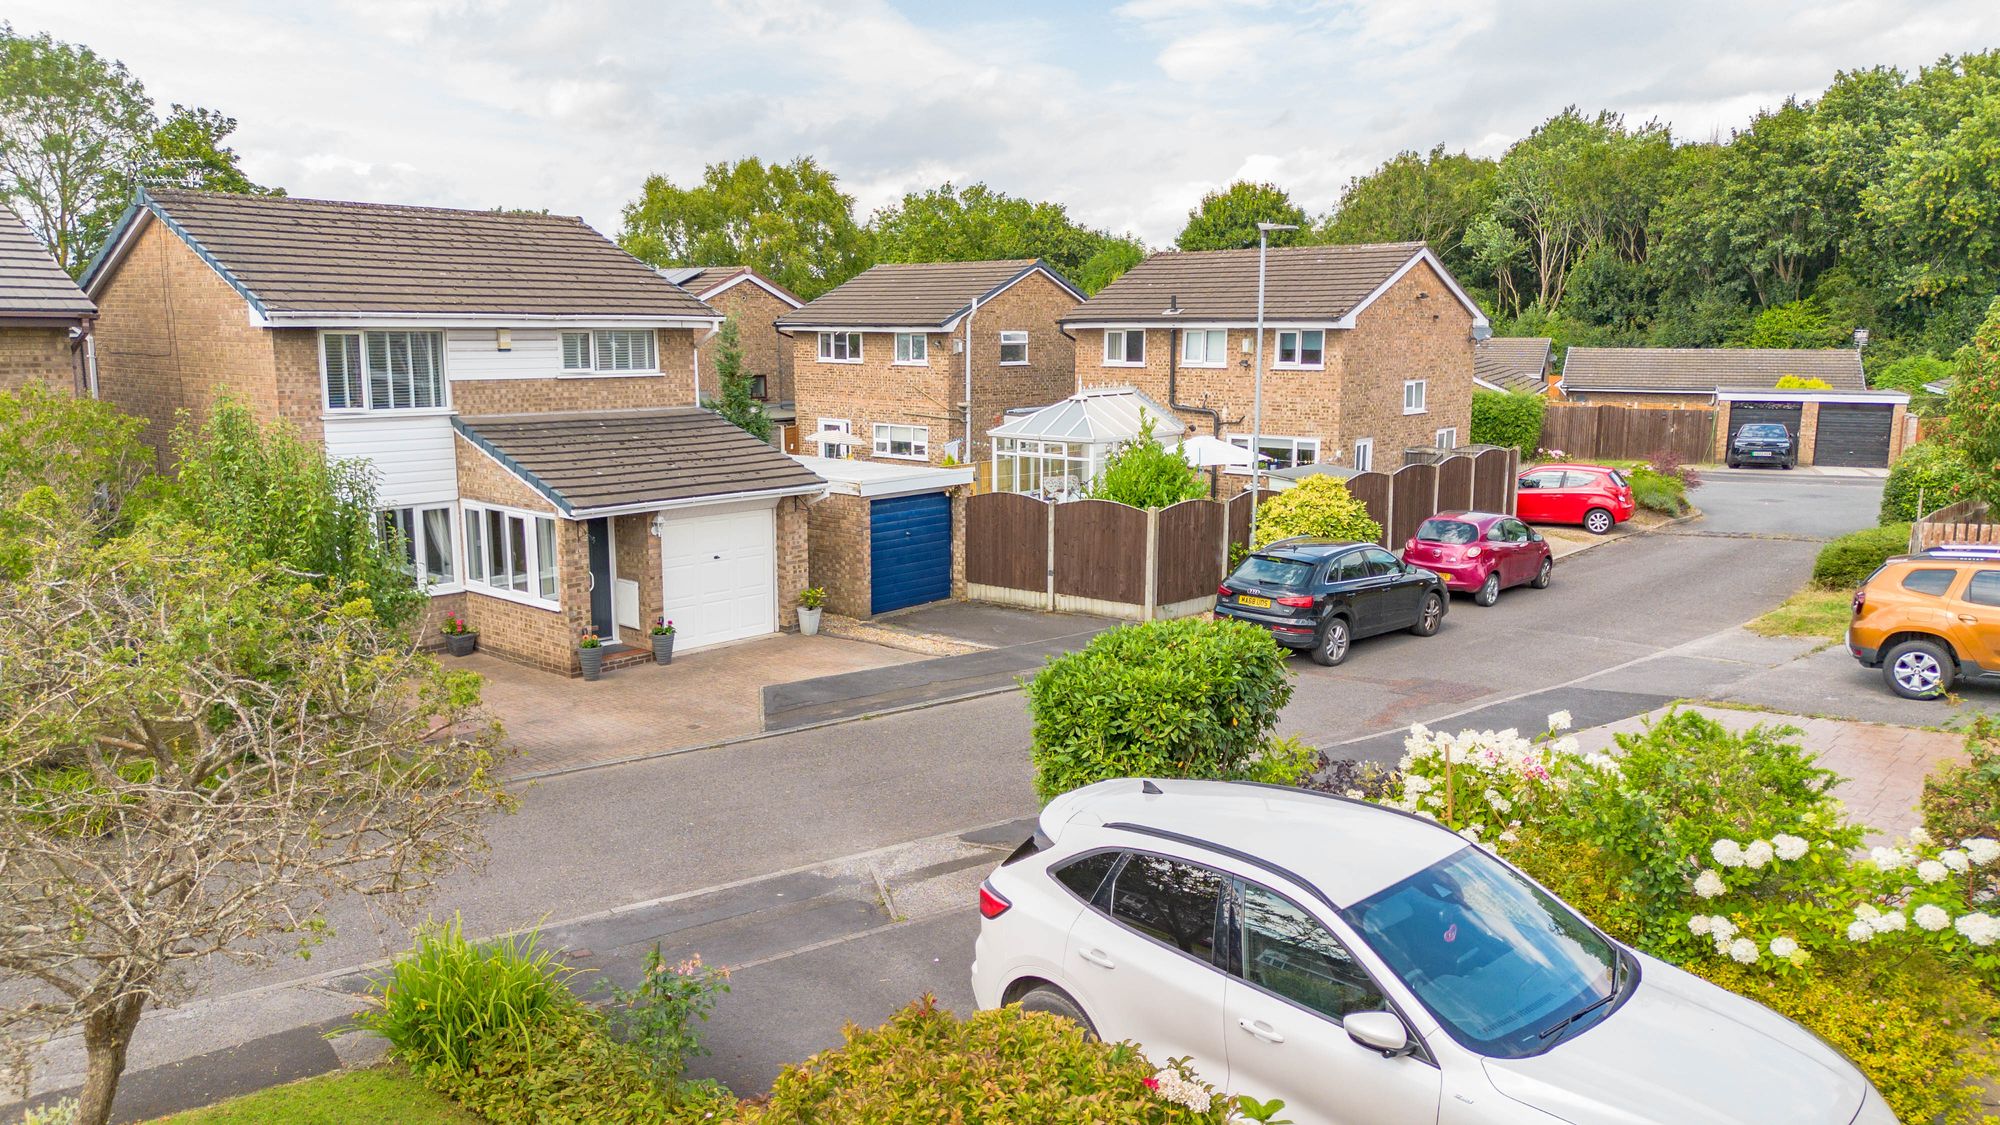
1506, 418
1850, 559
1186, 698
1658, 492
1317, 505
1928, 475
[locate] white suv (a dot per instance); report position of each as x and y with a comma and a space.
1371, 967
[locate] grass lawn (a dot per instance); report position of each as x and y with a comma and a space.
377, 1096
1812, 612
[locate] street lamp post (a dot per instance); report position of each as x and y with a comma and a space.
1257, 379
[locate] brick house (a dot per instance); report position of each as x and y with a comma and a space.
1513, 363
916, 361
521, 386
1368, 349
45, 320
756, 302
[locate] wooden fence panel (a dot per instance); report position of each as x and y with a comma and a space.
1455, 483
1190, 561
1372, 489
1239, 515
1629, 432
1413, 492
1100, 551
1492, 474
1007, 541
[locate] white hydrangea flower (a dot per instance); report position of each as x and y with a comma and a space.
1919, 837
1981, 850
1932, 917
1788, 848
1727, 852
1955, 859
1858, 931
1979, 929
1507, 836
1932, 871
1890, 859
1698, 924
1352, 794
1560, 721
1743, 951
1757, 854
1889, 922
1709, 884
1784, 947
1470, 832
1599, 761
1867, 912
1721, 927
1417, 783
1172, 1085
1566, 746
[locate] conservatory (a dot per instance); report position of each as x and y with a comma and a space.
1056, 451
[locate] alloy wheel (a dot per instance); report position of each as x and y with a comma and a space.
1597, 522
1434, 612
1489, 590
1919, 672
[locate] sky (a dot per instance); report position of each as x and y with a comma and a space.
1126, 113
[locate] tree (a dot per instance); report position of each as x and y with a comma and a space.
1227, 219
195, 754
1972, 408
791, 222
79, 453
188, 149
1145, 474
1415, 198
737, 403
976, 223
1109, 263
1910, 374
1798, 324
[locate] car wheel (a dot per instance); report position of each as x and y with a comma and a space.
1489, 590
1732, 465
1785, 465
1918, 670
1598, 521
1543, 575
1432, 615
1332, 642
1048, 998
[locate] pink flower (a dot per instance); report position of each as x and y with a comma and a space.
1151, 1082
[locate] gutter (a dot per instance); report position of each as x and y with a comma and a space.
642, 506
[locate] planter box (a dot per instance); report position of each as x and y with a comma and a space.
461, 644
663, 648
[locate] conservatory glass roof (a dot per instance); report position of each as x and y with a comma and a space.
1097, 415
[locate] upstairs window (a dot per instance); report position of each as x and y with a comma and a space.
1124, 348
1302, 349
383, 370
840, 347
912, 348
1414, 396
611, 350
1205, 348
1013, 347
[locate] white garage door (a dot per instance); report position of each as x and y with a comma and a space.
720, 575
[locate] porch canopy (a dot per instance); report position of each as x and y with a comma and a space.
1056, 451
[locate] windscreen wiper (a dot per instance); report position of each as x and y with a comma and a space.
1562, 1025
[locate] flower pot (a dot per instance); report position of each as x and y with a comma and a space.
593, 662
461, 644
663, 648
809, 620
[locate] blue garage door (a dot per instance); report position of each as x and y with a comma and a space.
909, 552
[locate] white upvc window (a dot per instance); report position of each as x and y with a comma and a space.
1125, 347
1447, 438
1207, 347
1281, 452
1306, 348
903, 442
621, 350
1364, 455
1414, 395
423, 536
512, 554
837, 426
912, 348
1013, 348
840, 347
383, 370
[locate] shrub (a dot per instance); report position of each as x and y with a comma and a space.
1850, 559
1186, 698
995, 1068
1143, 473
659, 1016
1910, 374
1506, 418
1961, 800
570, 1072
1666, 462
1801, 383
450, 996
1317, 505
1925, 477
1658, 492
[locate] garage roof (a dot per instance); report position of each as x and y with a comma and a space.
1512, 363
1706, 370
587, 463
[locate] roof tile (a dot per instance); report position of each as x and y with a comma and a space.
1705, 370
907, 294
32, 285
1311, 283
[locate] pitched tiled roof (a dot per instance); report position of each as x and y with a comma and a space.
1313, 283
909, 294
32, 285
703, 280
317, 256
614, 458
1705, 370
1513, 363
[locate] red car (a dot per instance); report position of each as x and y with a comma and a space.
1481, 552
1597, 497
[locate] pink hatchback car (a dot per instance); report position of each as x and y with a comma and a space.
1481, 552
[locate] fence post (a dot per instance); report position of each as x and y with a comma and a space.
1152, 604
1050, 508
1389, 512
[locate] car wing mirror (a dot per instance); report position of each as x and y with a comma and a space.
1379, 1031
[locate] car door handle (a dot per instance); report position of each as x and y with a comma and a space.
1968, 619
1261, 1030
1099, 958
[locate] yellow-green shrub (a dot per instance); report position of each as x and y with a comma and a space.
1317, 505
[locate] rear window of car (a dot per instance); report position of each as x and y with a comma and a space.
1084, 876
1618, 479
1763, 430
1263, 570
1929, 582
1447, 531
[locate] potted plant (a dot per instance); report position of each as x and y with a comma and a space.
811, 600
663, 641
590, 651
460, 639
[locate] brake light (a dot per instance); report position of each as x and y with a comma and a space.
991, 905
1860, 599
1223, 591
1410, 546
1296, 601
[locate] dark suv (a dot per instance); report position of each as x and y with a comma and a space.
1322, 594
1762, 443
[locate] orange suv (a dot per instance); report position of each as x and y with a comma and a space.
1929, 619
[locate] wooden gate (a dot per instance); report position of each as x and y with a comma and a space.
1189, 558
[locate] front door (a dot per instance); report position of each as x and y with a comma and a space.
599, 531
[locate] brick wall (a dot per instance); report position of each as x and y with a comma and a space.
639, 561
793, 548
433, 615
838, 539
1032, 305
672, 387
765, 352
36, 355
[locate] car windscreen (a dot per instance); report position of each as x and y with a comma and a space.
1447, 531
1495, 959
1763, 430
1263, 570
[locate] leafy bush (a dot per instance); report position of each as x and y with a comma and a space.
659, 1016
1186, 698
1801, 383
448, 998
570, 1072
1666, 462
1961, 800
1143, 473
1317, 505
1910, 374
994, 1068
1507, 418
1925, 477
1850, 559
1658, 492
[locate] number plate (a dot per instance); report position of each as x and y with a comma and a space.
1256, 602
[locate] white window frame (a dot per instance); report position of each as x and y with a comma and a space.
1298, 336
1011, 339
367, 380
884, 437
841, 426
600, 342
418, 564
1122, 334
1447, 438
913, 349
1422, 396
1210, 357
475, 570
1242, 441
1364, 455
853, 343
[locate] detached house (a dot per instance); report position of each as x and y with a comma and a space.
917, 361
1368, 351
519, 384
45, 319
756, 302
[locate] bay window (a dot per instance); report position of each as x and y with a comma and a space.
423, 537
611, 350
383, 370
512, 554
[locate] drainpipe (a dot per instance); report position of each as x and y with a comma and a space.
89, 329
969, 314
